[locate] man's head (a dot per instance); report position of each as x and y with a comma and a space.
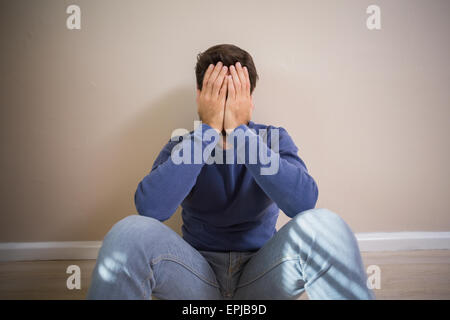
229, 54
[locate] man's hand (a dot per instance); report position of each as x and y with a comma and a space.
239, 104
211, 99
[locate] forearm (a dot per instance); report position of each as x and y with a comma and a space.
292, 188
287, 183
160, 193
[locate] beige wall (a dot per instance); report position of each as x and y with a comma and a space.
84, 113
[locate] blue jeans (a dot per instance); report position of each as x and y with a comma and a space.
316, 252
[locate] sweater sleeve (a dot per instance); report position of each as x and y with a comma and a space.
174, 174
285, 178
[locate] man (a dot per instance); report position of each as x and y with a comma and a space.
230, 248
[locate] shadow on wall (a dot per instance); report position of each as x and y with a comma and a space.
132, 151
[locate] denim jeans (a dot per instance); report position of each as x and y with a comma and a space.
316, 252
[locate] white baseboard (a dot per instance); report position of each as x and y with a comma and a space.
403, 241
81, 250
62, 250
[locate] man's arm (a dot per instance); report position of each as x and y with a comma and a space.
160, 193
290, 186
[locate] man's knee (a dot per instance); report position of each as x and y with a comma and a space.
323, 222
133, 231
319, 216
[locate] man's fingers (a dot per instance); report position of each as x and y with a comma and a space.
219, 80
247, 80
241, 75
235, 77
231, 88
223, 90
212, 77
207, 75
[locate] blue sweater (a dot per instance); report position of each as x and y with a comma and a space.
227, 207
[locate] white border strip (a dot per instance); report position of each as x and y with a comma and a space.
64, 250
403, 241
82, 250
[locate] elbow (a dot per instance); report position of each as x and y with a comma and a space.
304, 200
151, 213
147, 207
314, 195
143, 204
138, 201
140, 208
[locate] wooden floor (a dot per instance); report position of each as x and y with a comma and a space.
404, 275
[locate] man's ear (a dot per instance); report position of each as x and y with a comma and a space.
198, 95
253, 105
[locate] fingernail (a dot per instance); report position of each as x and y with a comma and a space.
238, 64
224, 68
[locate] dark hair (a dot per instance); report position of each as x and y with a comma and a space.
229, 54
